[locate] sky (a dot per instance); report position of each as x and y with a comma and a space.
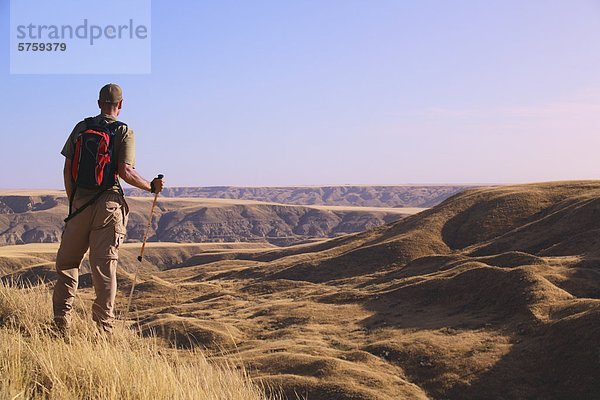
326, 92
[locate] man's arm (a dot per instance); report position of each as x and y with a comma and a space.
67, 178
132, 177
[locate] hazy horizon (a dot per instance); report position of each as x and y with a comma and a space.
409, 184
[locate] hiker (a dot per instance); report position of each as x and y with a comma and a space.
98, 151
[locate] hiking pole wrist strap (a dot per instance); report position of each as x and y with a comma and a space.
152, 187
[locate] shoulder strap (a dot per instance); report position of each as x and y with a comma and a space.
116, 124
89, 121
112, 127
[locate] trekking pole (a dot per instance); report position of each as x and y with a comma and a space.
141, 256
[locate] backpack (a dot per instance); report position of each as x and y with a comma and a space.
93, 165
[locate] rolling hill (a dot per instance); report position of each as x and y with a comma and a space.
494, 293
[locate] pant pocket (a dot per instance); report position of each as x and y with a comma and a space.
120, 231
119, 239
109, 231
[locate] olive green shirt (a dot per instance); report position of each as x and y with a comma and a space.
123, 150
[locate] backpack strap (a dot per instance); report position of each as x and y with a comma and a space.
112, 127
88, 122
116, 124
83, 207
71, 201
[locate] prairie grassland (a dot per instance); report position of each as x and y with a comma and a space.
36, 364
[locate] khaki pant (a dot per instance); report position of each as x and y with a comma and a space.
101, 228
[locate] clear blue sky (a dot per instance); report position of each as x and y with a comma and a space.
335, 92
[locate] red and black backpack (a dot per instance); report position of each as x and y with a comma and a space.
94, 165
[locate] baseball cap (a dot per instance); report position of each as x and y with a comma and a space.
111, 93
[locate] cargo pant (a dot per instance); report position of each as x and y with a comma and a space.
101, 228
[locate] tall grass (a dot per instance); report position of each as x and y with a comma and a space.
35, 364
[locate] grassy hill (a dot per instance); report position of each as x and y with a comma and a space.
36, 364
494, 293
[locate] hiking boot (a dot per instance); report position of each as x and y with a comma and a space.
61, 329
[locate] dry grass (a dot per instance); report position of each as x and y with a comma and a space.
35, 364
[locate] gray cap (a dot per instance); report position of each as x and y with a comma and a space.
110, 93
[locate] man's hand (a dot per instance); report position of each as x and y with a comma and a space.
156, 186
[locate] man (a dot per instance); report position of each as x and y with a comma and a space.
99, 225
